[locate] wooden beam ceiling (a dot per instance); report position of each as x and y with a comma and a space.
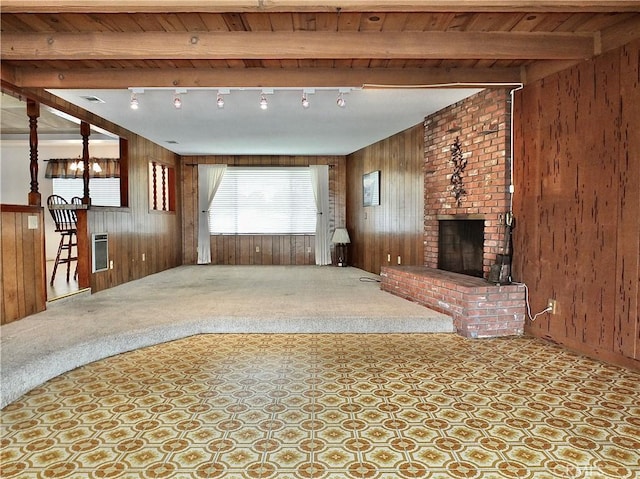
271, 43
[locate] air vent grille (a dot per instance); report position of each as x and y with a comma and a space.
92, 99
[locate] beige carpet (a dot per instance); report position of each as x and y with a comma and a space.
201, 299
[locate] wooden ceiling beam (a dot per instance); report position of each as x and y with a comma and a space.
620, 34
297, 45
539, 70
225, 6
263, 77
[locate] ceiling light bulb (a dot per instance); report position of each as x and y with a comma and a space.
263, 102
341, 101
134, 102
177, 102
220, 101
305, 101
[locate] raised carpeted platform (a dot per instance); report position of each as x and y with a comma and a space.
191, 300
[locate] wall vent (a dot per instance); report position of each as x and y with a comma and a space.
100, 251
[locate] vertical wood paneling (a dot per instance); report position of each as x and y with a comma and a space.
627, 305
136, 230
274, 249
396, 226
577, 180
22, 265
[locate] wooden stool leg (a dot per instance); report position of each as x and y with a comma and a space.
55, 264
70, 242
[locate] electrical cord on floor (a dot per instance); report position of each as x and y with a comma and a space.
364, 279
526, 297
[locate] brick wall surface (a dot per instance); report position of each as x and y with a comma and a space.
482, 125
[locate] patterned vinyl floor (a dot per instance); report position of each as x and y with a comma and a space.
330, 406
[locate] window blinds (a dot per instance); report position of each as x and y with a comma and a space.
264, 200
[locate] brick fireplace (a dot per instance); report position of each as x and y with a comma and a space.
476, 132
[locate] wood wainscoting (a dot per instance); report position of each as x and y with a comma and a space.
22, 266
263, 249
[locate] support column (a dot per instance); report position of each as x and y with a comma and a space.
85, 131
33, 112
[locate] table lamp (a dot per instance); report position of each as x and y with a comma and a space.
341, 240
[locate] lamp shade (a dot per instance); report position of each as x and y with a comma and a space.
341, 236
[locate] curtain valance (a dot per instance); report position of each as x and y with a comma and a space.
72, 168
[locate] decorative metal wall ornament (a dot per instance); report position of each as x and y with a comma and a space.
459, 164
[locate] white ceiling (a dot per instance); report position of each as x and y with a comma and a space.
285, 128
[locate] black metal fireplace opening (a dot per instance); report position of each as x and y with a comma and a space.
461, 246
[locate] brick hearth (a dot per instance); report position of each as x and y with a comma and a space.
479, 309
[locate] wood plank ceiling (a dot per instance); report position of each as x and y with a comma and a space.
272, 43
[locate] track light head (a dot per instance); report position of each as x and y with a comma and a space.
341, 102
263, 102
133, 104
305, 101
220, 101
177, 101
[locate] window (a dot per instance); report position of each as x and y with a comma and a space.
161, 187
264, 201
103, 191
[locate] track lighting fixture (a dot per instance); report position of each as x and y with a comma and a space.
221, 93
177, 101
133, 104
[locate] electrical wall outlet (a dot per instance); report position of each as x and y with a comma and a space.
553, 306
389, 258
144, 257
399, 260
111, 264
257, 249
308, 249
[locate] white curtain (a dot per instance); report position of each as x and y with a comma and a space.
209, 178
320, 183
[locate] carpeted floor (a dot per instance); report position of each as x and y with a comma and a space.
200, 299
330, 406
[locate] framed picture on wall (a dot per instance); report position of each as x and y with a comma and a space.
371, 188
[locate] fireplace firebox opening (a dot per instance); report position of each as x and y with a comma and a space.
461, 246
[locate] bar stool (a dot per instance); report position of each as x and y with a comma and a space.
65, 220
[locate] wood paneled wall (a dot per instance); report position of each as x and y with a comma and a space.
136, 230
133, 230
241, 249
395, 227
577, 204
22, 263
